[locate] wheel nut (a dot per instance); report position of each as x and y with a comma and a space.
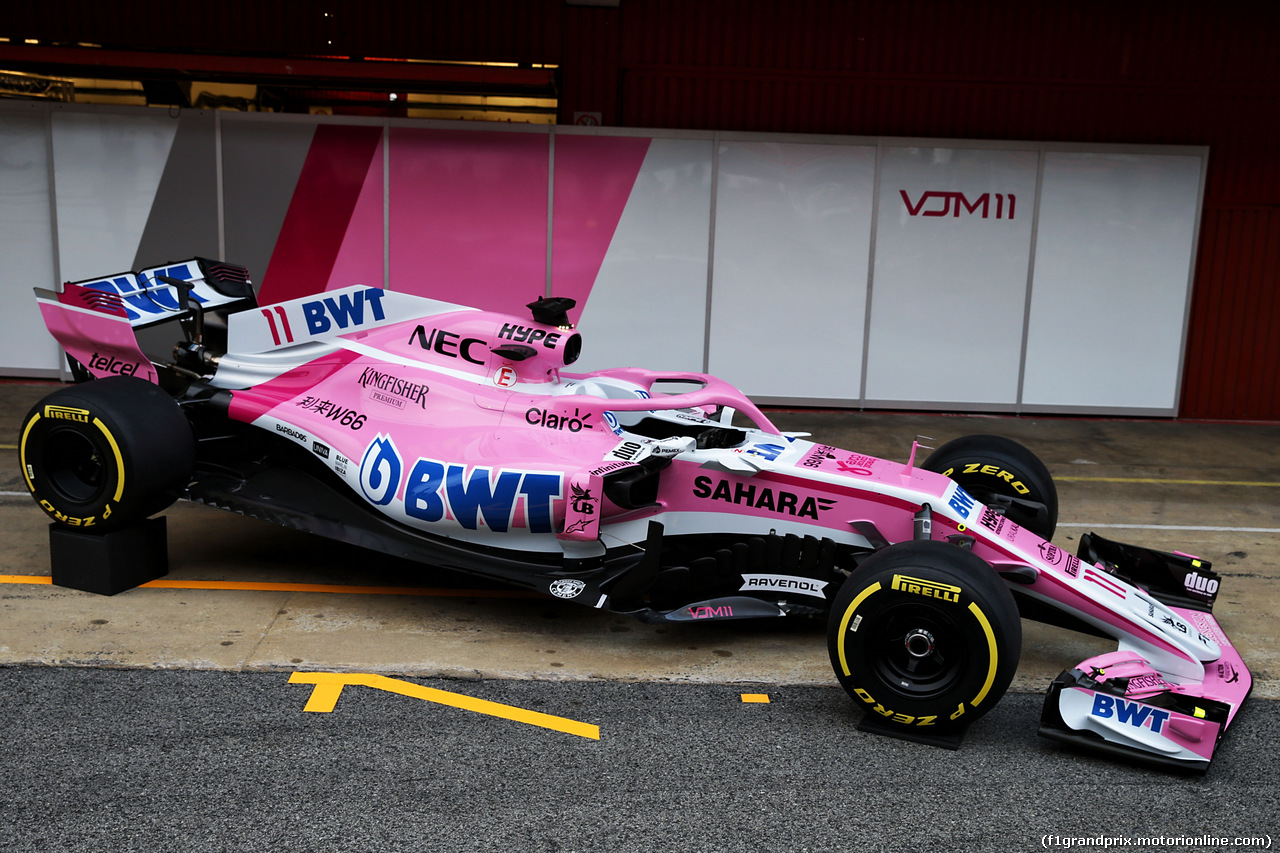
919, 643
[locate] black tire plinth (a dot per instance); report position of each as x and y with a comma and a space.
925, 635
104, 454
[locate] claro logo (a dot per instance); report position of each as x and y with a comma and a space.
936, 203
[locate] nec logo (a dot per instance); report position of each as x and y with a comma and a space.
447, 343
952, 202
1130, 713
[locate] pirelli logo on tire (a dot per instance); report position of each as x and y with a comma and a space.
928, 589
67, 413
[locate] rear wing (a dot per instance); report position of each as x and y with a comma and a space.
97, 320
147, 299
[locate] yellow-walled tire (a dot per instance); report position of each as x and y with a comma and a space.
990, 465
106, 453
925, 635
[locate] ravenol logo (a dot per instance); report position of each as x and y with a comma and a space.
1130, 713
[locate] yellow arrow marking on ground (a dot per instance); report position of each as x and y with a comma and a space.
328, 687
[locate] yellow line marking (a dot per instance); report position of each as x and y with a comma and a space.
328, 686
264, 586
324, 697
757, 698
8, 447
1158, 481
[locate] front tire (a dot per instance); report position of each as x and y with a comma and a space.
925, 635
992, 468
106, 453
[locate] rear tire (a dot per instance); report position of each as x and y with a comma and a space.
925, 635
106, 453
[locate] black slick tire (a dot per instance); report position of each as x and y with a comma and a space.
106, 453
987, 466
925, 635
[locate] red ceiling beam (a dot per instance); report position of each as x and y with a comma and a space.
274, 71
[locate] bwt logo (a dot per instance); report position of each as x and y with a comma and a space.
953, 202
146, 297
1130, 713
435, 490
345, 310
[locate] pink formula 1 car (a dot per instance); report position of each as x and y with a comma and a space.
459, 438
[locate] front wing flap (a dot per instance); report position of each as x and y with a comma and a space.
1118, 704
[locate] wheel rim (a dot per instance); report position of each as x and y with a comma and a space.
74, 466
919, 652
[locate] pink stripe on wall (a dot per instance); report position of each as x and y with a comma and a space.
469, 216
332, 178
594, 179
359, 259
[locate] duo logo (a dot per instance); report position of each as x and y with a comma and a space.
1130, 713
434, 490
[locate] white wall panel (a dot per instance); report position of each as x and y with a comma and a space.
26, 244
648, 307
107, 169
792, 246
953, 238
1112, 274
838, 276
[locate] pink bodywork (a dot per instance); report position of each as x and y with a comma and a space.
466, 423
